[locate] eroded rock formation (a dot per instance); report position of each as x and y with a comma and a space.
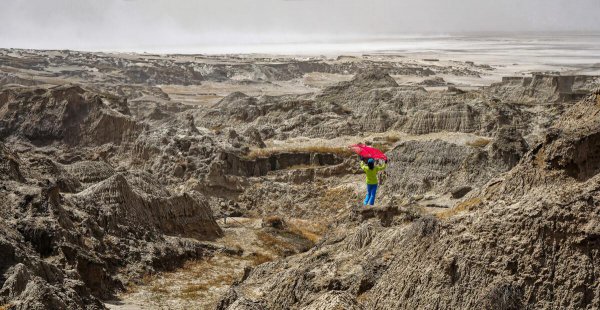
529, 239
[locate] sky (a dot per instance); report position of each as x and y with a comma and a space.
143, 24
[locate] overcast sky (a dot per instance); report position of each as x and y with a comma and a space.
139, 24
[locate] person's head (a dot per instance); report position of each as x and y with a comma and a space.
371, 163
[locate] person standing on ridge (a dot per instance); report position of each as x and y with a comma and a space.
371, 171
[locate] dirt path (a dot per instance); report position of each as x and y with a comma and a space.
199, 284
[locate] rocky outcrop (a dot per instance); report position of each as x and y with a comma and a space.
77, 229
67, 250
544, 87
419, 167
9, 165
434, 82
66, 114
112, 180
8, 79
262, 165
90, 172
458, 118
528, 239
125, 210
373, 102
367, 80
155, 75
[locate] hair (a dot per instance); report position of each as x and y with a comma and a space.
371, 164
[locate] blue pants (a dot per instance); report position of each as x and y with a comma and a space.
371, 191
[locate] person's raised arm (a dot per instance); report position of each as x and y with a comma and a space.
363, 166
382, 166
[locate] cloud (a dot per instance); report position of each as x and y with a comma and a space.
136, 24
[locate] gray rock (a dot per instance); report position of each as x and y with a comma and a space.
460, 191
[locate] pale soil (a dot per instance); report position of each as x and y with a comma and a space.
209, 93
199, 284
345, 141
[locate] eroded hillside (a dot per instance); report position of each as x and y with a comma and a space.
148, 181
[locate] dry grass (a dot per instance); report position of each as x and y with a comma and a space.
274, 243
5, 307
540, 158
274, 221
336, 198
194, 288
464, 206
306, 234
197, 284
391, 139
362, 298
148, 278
258, 258
296, 167
223, 279
191, 295
217, 129
159, 288
152, 282
384, 147
194, 291
479, 142
313, 231
266, 152
199, 268
220, 280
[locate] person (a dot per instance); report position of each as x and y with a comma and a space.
371, 171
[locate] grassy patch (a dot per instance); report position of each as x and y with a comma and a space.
362, 298
384, 147
540, 158
274, 221
148, 278
193, 291
217, 129
391, 139
296, 167
305, 233
313, 231
258, 258
194, 288
191, 294
199, 268
464, 206
159, 288
336, 198
274, 243
266, 152
479, 142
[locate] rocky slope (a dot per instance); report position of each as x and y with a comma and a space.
371, 102
107, 182
527, 239
78, 229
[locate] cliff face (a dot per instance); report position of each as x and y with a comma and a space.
67, 114
544, 88
528, 239
441, 167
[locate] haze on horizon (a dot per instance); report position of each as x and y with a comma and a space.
136, 24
